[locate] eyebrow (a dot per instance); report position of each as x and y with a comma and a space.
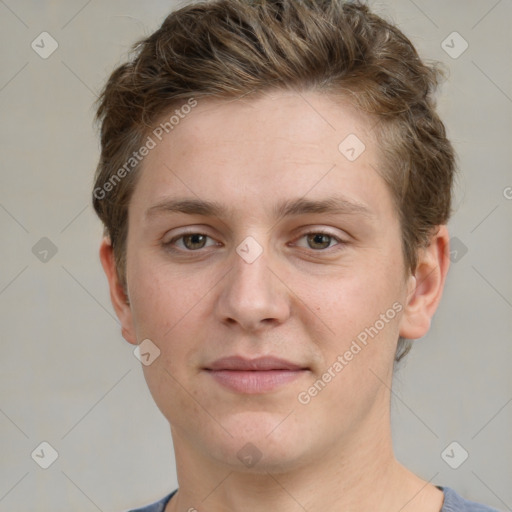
289, 208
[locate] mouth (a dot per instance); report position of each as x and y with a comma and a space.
254, 376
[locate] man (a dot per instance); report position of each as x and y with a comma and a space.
275, 186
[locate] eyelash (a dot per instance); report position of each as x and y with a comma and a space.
171, 247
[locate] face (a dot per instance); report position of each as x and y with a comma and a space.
265, 264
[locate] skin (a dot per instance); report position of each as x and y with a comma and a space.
301, 302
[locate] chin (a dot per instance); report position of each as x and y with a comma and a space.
260, 443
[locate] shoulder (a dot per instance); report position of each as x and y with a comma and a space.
453, 502
158, 506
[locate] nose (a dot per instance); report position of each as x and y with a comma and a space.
252, 295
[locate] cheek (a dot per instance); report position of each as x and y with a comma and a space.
357, 357
161, 297
347, 303
362, 311
170, 308
165, 309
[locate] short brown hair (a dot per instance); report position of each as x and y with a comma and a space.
225, 49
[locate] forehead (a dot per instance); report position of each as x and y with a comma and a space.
284, 123
277, 146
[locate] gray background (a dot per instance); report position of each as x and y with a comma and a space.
68, 377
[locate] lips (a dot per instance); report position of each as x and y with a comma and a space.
254, 376
237, 363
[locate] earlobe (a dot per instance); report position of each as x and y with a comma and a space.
426, 286
118, 295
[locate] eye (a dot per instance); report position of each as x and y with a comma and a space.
319, 241
190, 242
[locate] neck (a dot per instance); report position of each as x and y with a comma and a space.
356, 474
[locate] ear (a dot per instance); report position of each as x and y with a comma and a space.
426, 286
117, 294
